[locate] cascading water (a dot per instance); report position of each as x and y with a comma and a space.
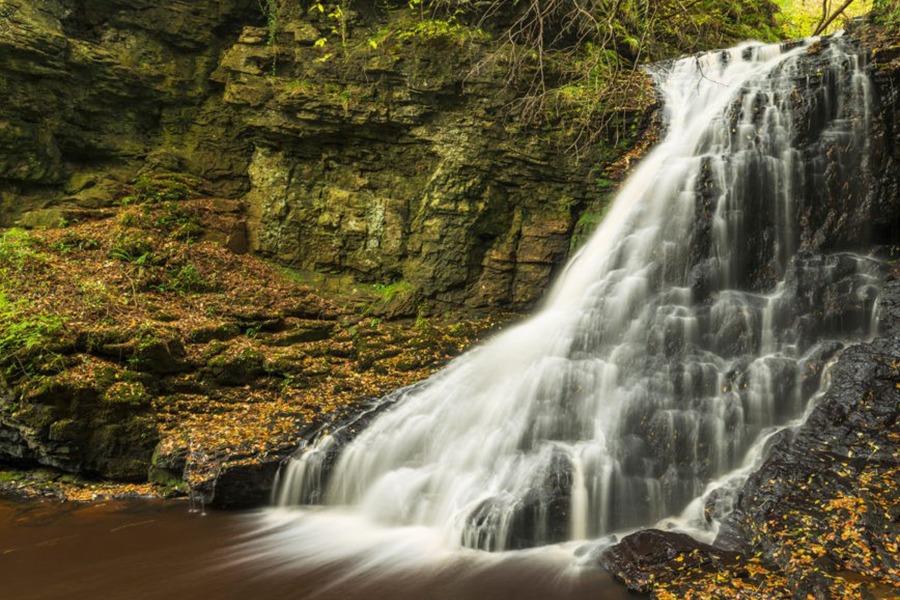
693, 321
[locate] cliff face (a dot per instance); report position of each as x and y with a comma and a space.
392, 163
95, 93
412, 176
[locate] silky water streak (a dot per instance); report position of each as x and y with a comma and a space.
680, 333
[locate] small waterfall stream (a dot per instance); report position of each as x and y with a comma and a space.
694, 321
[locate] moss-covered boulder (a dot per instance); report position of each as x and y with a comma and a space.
91, 419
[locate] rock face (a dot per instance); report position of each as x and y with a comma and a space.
93, 94
830, 473
392, 167
414, 179
381, 164
642, 557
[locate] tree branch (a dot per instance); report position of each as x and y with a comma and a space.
824, 25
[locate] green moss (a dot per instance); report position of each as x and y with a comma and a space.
586, 225
10, 476
35, 415
238, 368
106, 376
127, 393
19, 250
26, 337
64, 430
185, 279
157, 189
390, 291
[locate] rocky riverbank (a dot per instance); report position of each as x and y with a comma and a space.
136, 345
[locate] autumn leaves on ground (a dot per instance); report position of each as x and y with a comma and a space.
137, 347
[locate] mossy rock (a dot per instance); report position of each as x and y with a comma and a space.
307, 331
167, 466
65, 430
240, 368
150, 354
127, 394
35, 416
45, 218
122, 450
221, 333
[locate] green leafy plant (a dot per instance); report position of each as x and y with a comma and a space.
448, 30
19, 250
387, 292
186, 279
887, 12
72, 242
133, 248
25, 336
180, 222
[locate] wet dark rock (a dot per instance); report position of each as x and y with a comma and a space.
643, 558
246, 484
850, 435
852, 425
543, 515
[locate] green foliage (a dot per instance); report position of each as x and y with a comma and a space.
25, 337
387, 292
178, 221
445, 30
338, 17
800, 18
887, 12
186, 279
19, 251
271, 9
73, 242
154, 190
25, 332
133, 248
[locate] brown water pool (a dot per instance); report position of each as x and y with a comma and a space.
161, 550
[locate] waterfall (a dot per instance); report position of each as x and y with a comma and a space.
697, 318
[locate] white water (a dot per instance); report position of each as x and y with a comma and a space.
658, 360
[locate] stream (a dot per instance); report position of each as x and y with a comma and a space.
139, 549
